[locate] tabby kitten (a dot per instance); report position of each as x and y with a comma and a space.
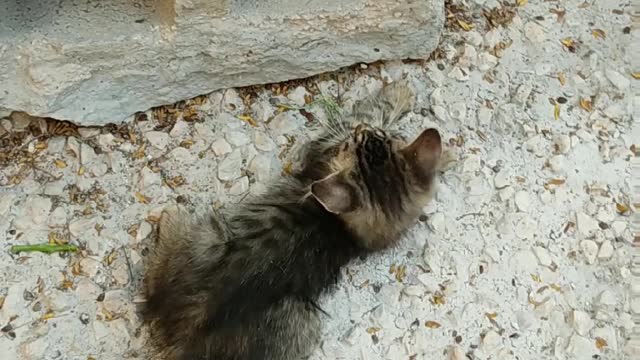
243, 285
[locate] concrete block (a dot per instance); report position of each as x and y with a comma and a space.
95, 62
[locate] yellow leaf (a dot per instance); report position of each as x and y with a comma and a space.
601, 343
81, 171
556, 182
48, 315
465, 26
141, 198
536, 278
561, 78
586, 105
41, 145
248, 119
373, 330
491, 316
139, 154
521, 2
401, 273
437, 299
432, 324
622, 208
598, 34
556, 111
568, 43
60, 164
636, 75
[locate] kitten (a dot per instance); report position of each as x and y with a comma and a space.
244, 285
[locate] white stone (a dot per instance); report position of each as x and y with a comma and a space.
543, 255
80, 227
605, 215
534, 32
618, 80
144, 230
501, 180
562, 143
486, 61
35, 212
473, 38
471, 163
297, 96
556, 163
606, 250
106, 142
590, 250
525, 320
523, 203
240, 187
89, 266
580, 347
458, 111
437, 222
148, 179
221, 147
236, 138
458, 74
55, 188
484, 116
491, 342
285, 123
58, 217
414, 290
263, 142
440, 112
581, 322
586, 224
158, 139
262, 167
280, 43
469, 57
230, 168
618, 227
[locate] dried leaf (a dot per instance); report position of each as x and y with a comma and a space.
465, 26
556, 182
556, 111
521, 2
536, 278
586, 105
432, 324
622, 208
400, 274
556, 287
187, 143
562, 79
598, 34
287, 169
138, 154
141, 198
81, 170
373, 330
1, 301
49, 315
559, 14
437, 299
569, 43
601, 343
41, 145
175, 181
636, 75
491, 316
248, 119
60, 164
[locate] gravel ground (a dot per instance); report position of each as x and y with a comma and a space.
524, 254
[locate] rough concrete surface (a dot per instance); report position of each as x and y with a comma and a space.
524, 254
126, 56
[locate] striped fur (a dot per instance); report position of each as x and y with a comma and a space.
244, 285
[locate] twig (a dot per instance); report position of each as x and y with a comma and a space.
45, 248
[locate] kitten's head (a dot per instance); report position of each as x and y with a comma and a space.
378, 183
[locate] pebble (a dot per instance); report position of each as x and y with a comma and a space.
181, 155
590, 250
148, 179
440, 112
484, 116
491, 341
58, 217
469, 57
606, 250
414, 290
89, 266
285, 123
486, 61
263, 142
580, 347
556, 164
605, 215
179, 129
144, 230
237, 138
455, 353
297, 96
534, 32
436, 97
79, 227
471, 163
522, 201
230, 168
106, 142
35, 212
221, 147
473, 38
618, 80
56, 145
458, 110
618, 227
525, 320
586, 224
562, 143
55, 188
458, 74
581, 322
544, 258
158, 139
240, 187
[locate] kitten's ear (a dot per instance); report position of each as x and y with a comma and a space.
424, 153
334, 194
